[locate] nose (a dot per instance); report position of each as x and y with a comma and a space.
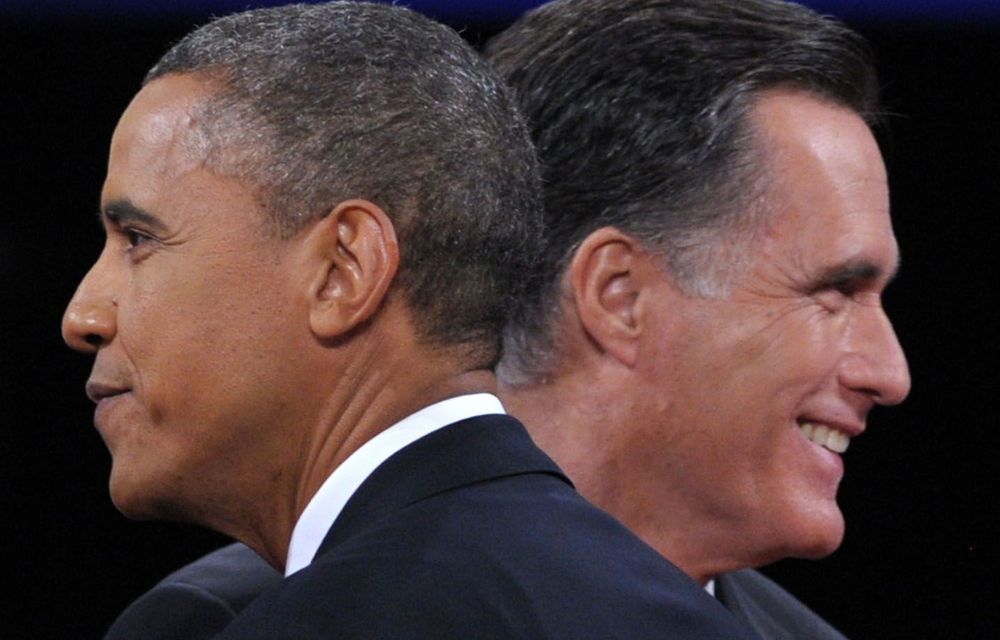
91, 317
879, 366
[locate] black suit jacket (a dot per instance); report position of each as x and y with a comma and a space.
198, 601
472, 532
770, 610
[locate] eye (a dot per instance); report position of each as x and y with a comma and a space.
833, 295
135, 238
138, 244
846, 288
831, 298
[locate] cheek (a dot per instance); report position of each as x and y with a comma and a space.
796, 354
748, 379
808, 352
182, 339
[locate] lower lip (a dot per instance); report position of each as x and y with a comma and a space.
830, 460
832, 457
104, 405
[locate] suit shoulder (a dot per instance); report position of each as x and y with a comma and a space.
234, 574
489, 564
198, 600
172, 611
769, 609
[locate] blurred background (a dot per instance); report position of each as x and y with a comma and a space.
920, 559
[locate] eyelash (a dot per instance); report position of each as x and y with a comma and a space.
135, 238
844, 288
832, 295
138, 244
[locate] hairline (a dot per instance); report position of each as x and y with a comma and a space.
735, 238
225, 155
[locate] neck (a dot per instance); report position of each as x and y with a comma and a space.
581, 425
369, 396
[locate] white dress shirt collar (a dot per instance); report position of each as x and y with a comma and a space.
324, 507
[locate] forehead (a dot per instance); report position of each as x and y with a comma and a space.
829, 195
158, 134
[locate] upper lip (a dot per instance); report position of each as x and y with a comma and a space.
851, 428
97, 391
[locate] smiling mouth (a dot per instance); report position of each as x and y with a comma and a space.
825, 437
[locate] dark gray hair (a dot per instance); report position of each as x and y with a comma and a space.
639, 110
311, 105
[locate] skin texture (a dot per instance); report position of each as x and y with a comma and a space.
186, 310
233, 369
680, 414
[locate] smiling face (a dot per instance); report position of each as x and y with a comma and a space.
753, 396
191, 313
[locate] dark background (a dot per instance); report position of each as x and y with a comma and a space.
920, 557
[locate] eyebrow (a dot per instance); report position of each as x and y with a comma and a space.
856, 270
123, 212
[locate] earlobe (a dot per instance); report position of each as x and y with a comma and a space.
355, 256
605, 291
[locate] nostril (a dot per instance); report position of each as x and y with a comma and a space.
93, 339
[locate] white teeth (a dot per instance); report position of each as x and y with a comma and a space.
824, 436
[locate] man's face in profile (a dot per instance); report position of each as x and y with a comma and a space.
768, 385
187, 310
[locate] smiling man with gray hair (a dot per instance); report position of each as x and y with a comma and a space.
707, 335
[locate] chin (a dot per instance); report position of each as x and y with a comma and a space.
136, 495
801, 528
817, 535
129, 504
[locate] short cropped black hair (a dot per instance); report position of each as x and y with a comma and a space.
315, 104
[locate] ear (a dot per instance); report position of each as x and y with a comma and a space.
605, 289
355, 256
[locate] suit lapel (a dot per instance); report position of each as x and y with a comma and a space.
463, 453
